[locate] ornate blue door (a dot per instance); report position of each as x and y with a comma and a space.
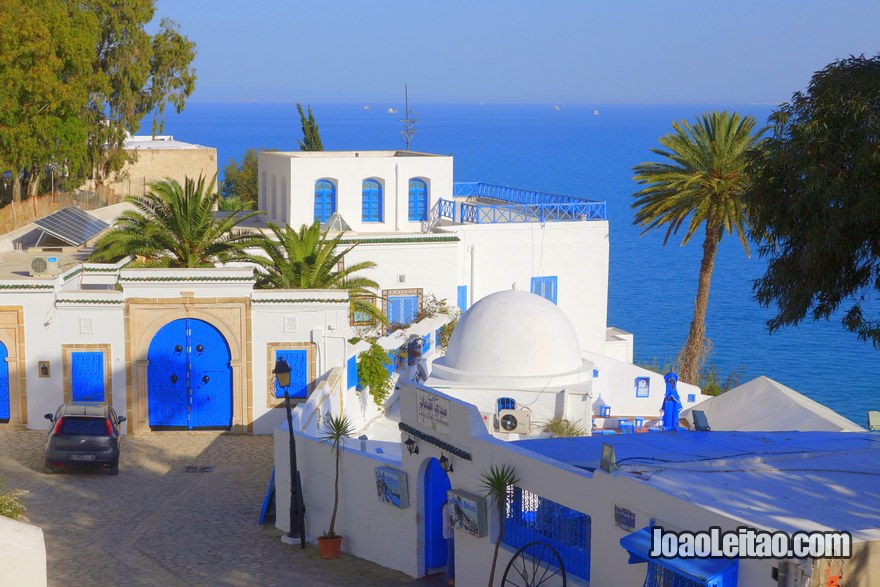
189, 377
87, 376
4, 384
402, 309
436, 485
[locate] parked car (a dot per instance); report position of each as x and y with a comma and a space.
84, 435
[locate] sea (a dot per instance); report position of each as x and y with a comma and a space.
588, 151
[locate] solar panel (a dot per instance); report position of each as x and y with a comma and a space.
72, 225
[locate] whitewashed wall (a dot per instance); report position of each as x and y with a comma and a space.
22, 554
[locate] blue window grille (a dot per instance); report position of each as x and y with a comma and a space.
692, 397
643, 386
402, 309
506, 403
325, 199
546, 287
87, 376
352, 373
530, 517
371, 209
462, 298
418, 199
298, 359
426, 343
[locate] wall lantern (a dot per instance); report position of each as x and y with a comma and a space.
282, 373
411, 446
445, 463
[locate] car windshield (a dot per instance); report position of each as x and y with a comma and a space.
83, 426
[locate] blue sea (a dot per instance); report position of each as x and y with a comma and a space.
574, 151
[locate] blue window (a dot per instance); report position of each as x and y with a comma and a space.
546, 287
372, 201
506, 403
418, 199
462, 298
402, 309
426, 343
87, 376
352, 367
325, 199
530, 517
298, 359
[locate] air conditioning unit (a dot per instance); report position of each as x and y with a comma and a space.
514, 421
44, 266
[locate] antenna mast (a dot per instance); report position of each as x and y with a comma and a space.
409, 123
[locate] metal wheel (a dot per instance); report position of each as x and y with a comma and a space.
537, 564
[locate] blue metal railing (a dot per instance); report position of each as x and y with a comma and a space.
523, 205
446, 208
530, 518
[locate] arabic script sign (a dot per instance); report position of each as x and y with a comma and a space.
433, 411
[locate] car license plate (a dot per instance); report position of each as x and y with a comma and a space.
82, 457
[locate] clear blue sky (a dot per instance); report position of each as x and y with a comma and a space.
565, 51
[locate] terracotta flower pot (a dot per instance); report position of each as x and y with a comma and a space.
329, 547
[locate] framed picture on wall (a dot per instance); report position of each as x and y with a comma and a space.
391, 487
643, 386
468, 512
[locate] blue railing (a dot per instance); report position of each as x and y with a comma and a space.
530, 518
446, 208
522, 205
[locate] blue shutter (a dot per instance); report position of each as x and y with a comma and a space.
418, 200
371, 208
87, 376
325, 199
462, 297
5, 411
546, 287
353, 372
298, 359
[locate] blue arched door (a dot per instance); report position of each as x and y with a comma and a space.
189, 377
436, 485
4, 384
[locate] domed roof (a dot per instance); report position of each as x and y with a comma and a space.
511, 334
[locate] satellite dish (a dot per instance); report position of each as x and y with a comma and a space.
421, 373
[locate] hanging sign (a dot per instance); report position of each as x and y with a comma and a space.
432, 412
391, 487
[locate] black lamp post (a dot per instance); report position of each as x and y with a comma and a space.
297, 519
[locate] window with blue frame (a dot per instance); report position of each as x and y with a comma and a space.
371, 193
352, 373
546, 287
298, 359
418, 199
359, 317
462, 300
530, 518
325, 199
402, 305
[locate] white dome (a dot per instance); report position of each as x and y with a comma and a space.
511, 334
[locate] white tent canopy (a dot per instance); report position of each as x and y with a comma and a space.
763, 405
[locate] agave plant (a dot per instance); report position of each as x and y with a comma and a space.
496, 482
335, 430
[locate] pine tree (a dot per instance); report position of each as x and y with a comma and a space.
311, 140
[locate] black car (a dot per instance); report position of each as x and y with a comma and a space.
84, 435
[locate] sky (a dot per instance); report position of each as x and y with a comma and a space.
556, 51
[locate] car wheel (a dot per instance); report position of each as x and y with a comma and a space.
48, 469
114, 469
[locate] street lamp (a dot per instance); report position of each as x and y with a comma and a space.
297, 519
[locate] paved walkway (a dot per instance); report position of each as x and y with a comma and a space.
156, 524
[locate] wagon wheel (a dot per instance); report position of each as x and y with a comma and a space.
537, 564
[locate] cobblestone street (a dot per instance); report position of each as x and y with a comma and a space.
156, 524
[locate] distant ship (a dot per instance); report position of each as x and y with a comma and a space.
556, 107
595, 113
366, 107
392, 111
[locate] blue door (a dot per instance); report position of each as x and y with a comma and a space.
418, 199
87, 376
4, 384
402, 309
436, 485
189, 377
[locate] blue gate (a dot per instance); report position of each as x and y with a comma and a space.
4, 384
189, 377
87, 376
436, 485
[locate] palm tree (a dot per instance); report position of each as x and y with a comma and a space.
701, 183
309, 259
336, 430
174, 226
496, 481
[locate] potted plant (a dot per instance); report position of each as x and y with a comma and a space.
496, 481
336, 429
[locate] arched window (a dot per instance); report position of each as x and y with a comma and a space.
418, 199
371, 191
325, 199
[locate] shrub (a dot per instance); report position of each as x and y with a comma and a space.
11, 505
372, 373
562, 428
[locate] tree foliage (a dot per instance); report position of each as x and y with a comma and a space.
699, 183
373, 373
309, 259
311, 140
171, 78
45, 66
815, 201
240, 181
174, 226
